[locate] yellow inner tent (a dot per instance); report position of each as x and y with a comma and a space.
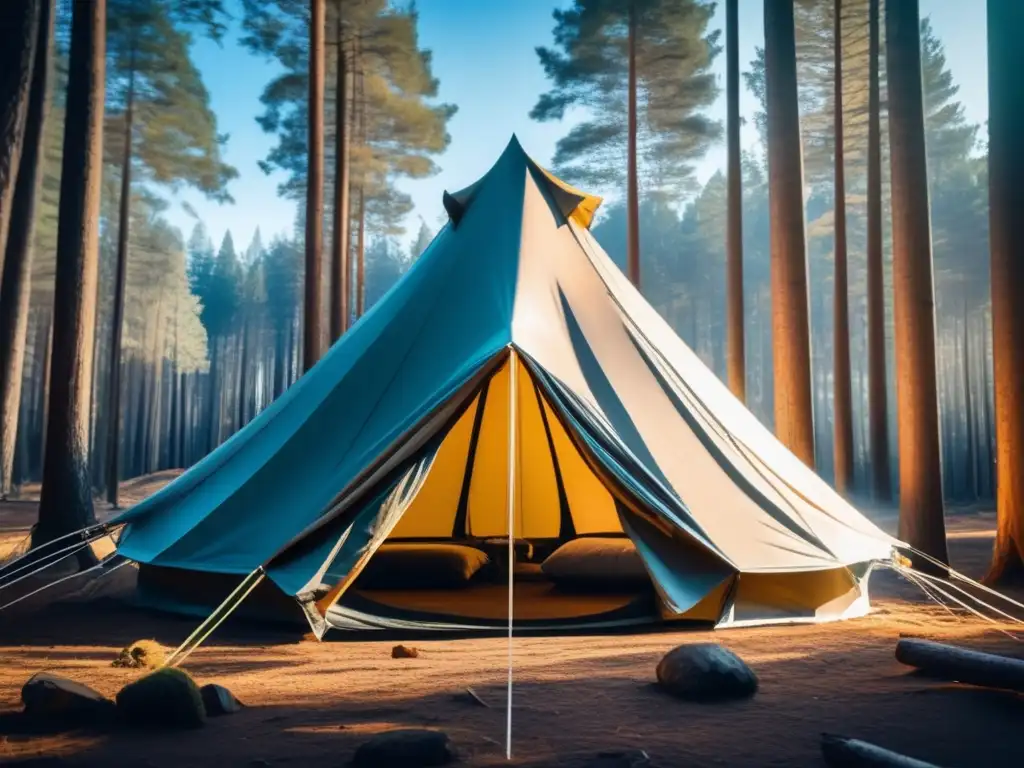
466, 493
557, 497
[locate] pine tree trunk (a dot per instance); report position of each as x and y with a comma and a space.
182, 425
340, 242
921, 511
16, 269
986, 414
222, 389
187, 436
1006, 241
948, 416
970, 461
294, 361
794, 423
735, 345
843, 395
314, 185
768, 378
174, 419
153, 432
361, 255
280, 355
117, 322
156, 425
46, 341
633, 186
66, 504
878, 418
136, 458
213, 390
19, 39
243, 363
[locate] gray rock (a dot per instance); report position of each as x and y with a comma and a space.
705, 672
407, 748
50, 697
218, 700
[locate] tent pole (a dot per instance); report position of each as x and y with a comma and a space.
512, 428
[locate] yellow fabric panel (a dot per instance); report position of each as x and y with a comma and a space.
432, 513
800, 592
537, 513
588, 205
488, 488
708, 609
537, 490
591, 505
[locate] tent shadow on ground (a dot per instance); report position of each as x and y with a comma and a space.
576, 711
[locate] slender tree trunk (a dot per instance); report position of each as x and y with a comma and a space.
340, 242
47, 343
174, 428
188, 424
222, 389
280, 355
137, 457
986, 407
878, 418
794, 422
66, 504
183, 455
841, 377
633, 187
213, 388
174, 419
361, 204
16, 269
117, 323
314, 186
19, 38
243, 371
972, 469
921, 510
361, 255
1006, 241
735, 347
153, 433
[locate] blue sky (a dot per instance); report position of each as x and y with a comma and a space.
484, 57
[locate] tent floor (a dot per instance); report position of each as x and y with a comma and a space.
535, 604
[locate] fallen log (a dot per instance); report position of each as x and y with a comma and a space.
948, 662
841, 752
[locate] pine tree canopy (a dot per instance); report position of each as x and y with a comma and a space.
588, 68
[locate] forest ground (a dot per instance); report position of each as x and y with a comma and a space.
312, 703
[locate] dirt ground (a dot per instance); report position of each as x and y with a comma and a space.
313, 703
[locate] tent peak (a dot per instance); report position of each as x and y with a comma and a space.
572, 202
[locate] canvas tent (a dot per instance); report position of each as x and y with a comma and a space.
514, 316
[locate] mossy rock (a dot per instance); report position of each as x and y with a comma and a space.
142, 654
167, 698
